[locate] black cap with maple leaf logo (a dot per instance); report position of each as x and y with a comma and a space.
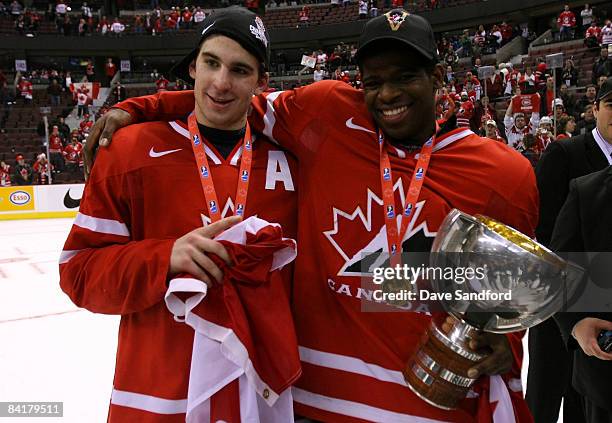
397, 24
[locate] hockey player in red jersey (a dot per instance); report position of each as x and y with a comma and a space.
140, 229
353, 361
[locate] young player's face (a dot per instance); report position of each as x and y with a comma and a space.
226, 77
603, 114
400, 94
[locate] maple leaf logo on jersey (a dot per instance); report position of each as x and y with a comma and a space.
359, 223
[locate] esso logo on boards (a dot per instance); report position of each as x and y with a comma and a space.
19, 198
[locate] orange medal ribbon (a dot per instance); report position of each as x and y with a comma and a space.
208, 186
394, 238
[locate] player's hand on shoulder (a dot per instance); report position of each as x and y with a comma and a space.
191, 252
102, 133
586, 332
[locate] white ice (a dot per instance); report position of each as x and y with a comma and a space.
50, 350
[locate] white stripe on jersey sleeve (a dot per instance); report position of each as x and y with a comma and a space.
66, 255
148, 402
104, 226
269, 117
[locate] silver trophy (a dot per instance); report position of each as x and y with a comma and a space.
517, 284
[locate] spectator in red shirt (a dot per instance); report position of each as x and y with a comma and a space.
56, 148
43, 169
103, 26
162, 83
170, 25
592, 37
566, 22
110, 69
5, 174
85, 126
174, 14
73, 154
186, 18
494, 85
506, 32
304, 16
157, 26
25, 89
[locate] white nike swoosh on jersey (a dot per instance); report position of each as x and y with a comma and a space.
154, 153
207, 28
350, 124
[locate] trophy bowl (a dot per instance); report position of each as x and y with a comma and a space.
517, 284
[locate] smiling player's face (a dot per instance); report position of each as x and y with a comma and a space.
226, 78
400, 93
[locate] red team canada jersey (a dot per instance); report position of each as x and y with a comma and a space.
73, 153
162, 84
143, 194
25, 88
5, 176
593, 31
352, 361
465, 113
55, 144
567, 18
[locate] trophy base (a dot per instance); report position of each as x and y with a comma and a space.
437, 372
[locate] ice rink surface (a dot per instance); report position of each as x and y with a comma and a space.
50, 350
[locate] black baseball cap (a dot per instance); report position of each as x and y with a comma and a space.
237, 23
605, 90
397, 24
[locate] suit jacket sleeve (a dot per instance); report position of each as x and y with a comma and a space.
552, 174
567, 237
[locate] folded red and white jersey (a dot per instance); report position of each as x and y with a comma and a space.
245, 353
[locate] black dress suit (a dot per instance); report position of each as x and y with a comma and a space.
585, 224
563, 161
549, 377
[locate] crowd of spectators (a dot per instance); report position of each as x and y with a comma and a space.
65, 155
179, 15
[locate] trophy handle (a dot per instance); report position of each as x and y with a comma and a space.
437, 372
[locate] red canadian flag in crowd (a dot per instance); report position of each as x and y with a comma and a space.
91, 89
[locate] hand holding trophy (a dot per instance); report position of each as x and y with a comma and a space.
521, 283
